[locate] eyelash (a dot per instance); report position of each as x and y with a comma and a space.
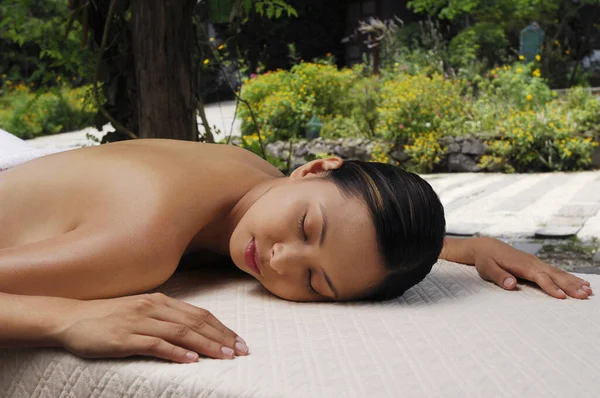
301, 227
309, 285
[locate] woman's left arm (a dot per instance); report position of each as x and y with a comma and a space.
501, 263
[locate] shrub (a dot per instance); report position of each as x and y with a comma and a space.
519, 85
425, 151
484, 41
28, 115
252, 143
526, 126
537, 141
415, 105
284, 101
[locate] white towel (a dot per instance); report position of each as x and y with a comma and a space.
14, 151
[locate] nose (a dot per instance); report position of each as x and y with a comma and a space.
285, 259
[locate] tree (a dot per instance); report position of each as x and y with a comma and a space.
147, 59
166, 101
569, 25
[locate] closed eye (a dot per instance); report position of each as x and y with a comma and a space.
301, 228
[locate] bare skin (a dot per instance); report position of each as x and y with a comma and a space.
100, 223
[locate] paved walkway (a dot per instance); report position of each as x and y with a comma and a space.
521, 205
501, 205
220, 118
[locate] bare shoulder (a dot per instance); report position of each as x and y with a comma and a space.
160, 191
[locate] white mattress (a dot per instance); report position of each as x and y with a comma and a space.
454, 335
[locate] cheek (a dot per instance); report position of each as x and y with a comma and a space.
284, 290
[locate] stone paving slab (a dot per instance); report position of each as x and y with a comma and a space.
557, 232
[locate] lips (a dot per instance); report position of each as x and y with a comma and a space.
252, 257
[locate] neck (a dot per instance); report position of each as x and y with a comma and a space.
215, 236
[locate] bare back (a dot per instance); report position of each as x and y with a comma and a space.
146, 198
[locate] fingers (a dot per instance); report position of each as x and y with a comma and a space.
202, 322
200, 312
548, 285
159, 348
493, 273
180, 336
571, 284
555, 282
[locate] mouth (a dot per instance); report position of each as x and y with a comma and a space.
252, 257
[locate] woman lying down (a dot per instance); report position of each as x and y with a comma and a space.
86, 232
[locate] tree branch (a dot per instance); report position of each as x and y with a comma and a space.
116, 124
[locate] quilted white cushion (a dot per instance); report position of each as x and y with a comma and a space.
453, 335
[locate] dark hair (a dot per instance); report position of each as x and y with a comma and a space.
408, 218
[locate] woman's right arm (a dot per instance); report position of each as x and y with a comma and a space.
148, 324
75, 291
30, 321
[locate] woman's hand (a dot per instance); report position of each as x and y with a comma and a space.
148, 324
500, 263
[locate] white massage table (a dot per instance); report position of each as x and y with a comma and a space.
453, 335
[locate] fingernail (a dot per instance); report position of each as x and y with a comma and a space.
243, 348
508, 282
227, 351
192, 356
241, 340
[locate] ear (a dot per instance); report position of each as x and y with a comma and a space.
316, 167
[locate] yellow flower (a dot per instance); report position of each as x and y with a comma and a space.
4, 75
538, 58
58, 79
519, 70
537, 73
206, 61
212, 39
529, 97
521, 57
551, 124
568, 52
222, 46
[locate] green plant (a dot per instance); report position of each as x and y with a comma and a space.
415, 105
34, 46
544, 140
483, 42
252, 143
340, 127
28, 115
519, 85
282, 102
425, 151
584, 109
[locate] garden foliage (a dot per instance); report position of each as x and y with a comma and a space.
526, 126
